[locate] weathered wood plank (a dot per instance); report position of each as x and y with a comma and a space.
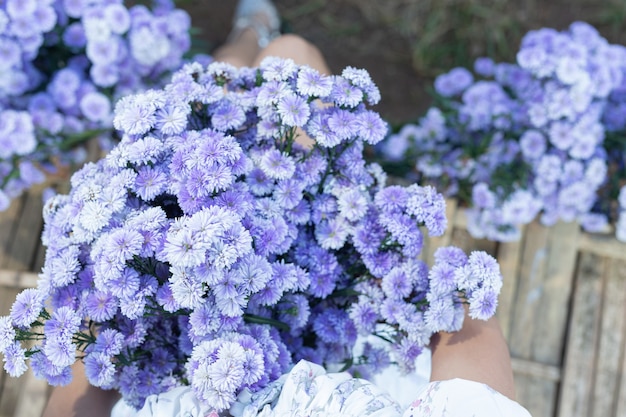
509, 256
8, 222
32, 397
535, 369
20, 253
611, 343
603, 245
553, 308
461, 238
537, 395
529, 291
584, 328
620, 407
17, 279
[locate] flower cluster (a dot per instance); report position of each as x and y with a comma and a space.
213, 248
62, 65
524, 139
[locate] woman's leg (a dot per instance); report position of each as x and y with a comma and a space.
240, 51
296, 48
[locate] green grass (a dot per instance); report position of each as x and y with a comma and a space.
448, 33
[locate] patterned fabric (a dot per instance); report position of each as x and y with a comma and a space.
309, 391
459, 397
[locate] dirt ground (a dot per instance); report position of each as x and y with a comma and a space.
405, 43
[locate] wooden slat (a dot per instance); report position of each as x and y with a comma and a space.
578, 371
529, 290
603, 245
32, 397
8, 222
18, 279
539, 370
621, 397
553, 309
509, 256
537, 395
26, 236
612, 339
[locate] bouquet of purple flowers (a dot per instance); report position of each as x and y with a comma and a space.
211, 248
526, 139
62, 65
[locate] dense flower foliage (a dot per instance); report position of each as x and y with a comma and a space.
515, 141
212, 248
62, 65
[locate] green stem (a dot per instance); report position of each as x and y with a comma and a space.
253, 318
79, 138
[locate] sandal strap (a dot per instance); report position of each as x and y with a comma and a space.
264, 34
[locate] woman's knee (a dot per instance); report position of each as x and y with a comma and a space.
297, 48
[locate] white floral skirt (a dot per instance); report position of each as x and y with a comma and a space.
308, 390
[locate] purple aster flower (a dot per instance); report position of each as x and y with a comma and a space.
397, 284
533, 144
74, 35
7, 332
171, 120
95, 106
277, 69
150, 183
293, 110
320, 131
485, 267
365, 316
332, 233
133, 117
117, 18
204, 320
104, 75
27, 307
594, 222
484, 66
482, 196
450, 255
483, 303
561, 136
343, 124
14, 359
227, 116
352, 204
520, 207
186, 290
60, 352
109, 342
271, 92
311, 83
288, 193
100, 306
345, 94
103, 52
442, 280
277, 165
440, 315
99, 369
453, 82
371, 127
63, 324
